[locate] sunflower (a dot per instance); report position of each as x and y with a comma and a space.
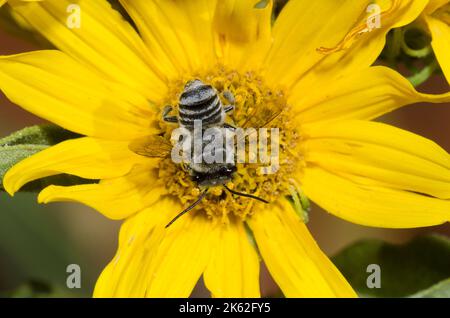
2, 2
437, 19
109, 83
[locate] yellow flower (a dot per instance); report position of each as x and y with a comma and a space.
110, 84
437, 17
2, 2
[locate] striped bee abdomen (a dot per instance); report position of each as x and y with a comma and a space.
200, 102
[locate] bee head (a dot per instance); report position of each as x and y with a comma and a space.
213, 178
193, 84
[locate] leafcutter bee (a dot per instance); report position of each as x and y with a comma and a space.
201, 103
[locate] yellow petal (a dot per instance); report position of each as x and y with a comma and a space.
361, 202
55, 87
2, 2
365, 48
433, 5
440, 33
152, 261
301, 28
178, 33
115, 198
85, 157
387, 156
124, 276
375, 174
104, 40
292, 256
366, 95
243, 32
234, 267
299, 35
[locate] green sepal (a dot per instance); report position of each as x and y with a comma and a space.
299, 202
262, 4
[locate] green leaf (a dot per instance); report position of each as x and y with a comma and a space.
39, 289
44, 135
10, 155
29, 141
36, 246
405, 269
440, 290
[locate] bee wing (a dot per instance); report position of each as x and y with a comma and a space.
151, 146
262, 117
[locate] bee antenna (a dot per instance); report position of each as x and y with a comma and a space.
193, 205
245, 195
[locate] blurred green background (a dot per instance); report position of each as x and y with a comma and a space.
37, 242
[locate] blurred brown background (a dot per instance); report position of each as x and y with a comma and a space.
86, 238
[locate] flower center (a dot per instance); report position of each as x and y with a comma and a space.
256, 106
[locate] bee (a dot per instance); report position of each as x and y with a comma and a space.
200, 102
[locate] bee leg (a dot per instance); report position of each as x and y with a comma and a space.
229, 97
228, 108
166, 117
171, 119
167, 110
228, 126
